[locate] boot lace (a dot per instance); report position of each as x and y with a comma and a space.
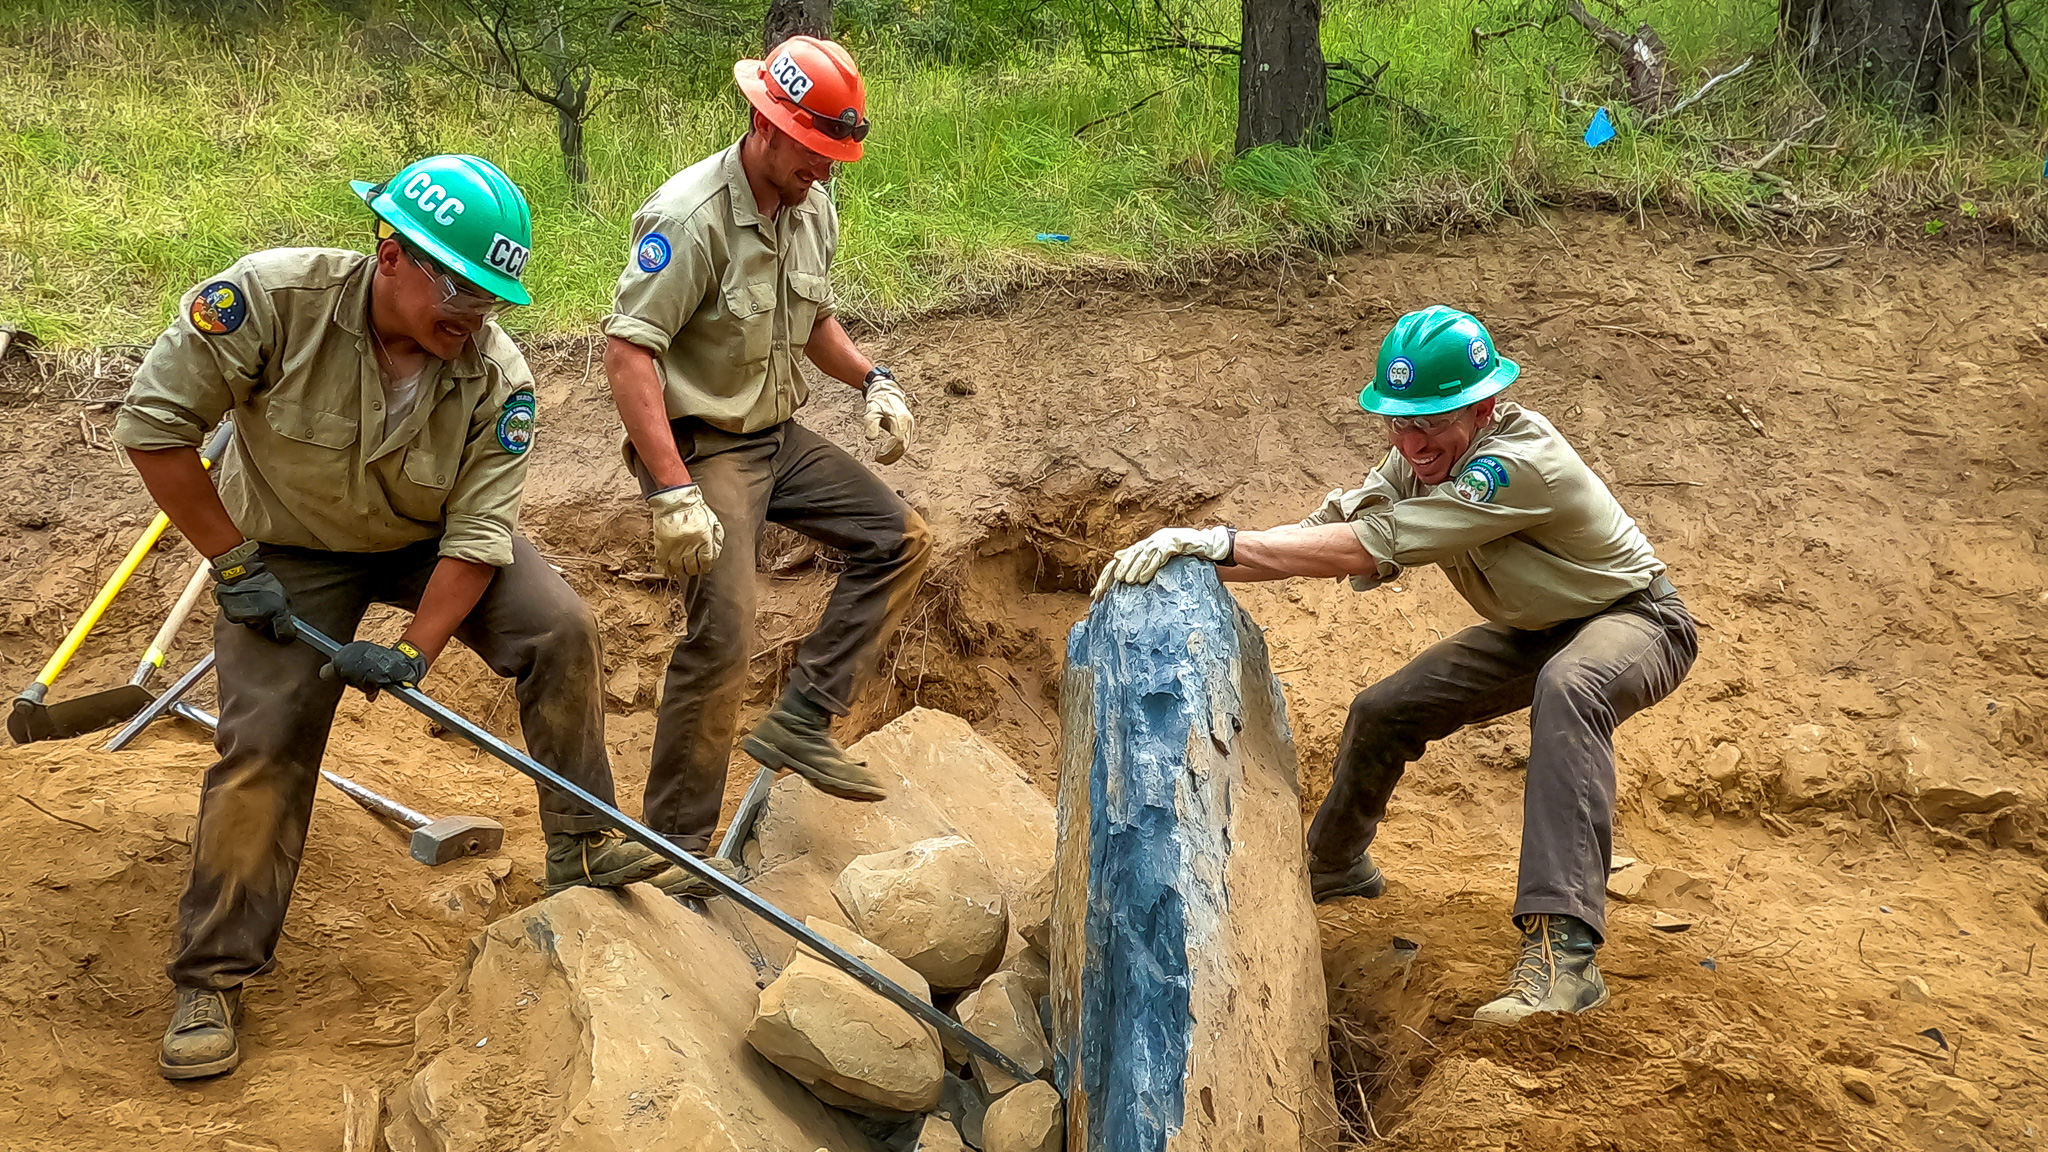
1537, 968
206, 1010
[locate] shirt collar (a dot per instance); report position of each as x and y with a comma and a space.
745, 209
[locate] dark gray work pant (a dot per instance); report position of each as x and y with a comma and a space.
1579, 680
275, 713
790, 475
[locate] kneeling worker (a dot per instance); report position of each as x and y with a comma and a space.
382, 423
1582, 629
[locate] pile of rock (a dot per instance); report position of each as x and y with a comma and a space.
599, 1021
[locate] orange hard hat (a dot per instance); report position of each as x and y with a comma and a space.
810, 89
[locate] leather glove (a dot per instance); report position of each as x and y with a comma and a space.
889, 419
251, 595
370, 667
1140, 562
687, 534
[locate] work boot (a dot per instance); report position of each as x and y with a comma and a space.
1556, 972
600, 859
684, 884
1361, 877
797, 735
201, 1039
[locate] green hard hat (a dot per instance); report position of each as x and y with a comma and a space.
1436, 360
463, 212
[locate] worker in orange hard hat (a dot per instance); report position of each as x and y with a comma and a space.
726, 282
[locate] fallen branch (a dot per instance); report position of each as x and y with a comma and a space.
1131, 109
1696, 97
1480, 35
1642, 57
1778, 149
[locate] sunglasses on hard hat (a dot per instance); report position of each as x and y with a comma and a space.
848, 125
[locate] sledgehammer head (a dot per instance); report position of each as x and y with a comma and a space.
453, 837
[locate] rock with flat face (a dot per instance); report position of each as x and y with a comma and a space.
1005, 1013
853, 1048
1188, 1005
934, 905
1028, 1119
598, 1021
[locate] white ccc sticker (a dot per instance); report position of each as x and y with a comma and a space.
791, 76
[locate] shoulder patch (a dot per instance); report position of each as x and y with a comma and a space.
516, 422
219, 308
1481, 478
653, 252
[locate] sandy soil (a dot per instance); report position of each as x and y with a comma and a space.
1852, 778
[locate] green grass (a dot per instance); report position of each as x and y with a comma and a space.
138, 158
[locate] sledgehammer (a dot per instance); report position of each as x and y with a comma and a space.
661, 846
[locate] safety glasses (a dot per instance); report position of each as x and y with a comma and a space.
848, 125
457, 300
1427, 425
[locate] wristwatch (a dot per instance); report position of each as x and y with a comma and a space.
878, 372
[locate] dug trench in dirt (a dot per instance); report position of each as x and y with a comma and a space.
1582, 628
1865, 580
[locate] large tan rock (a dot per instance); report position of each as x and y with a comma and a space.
945, 780
1945, 778
853, 1048
1029, 1119
934, 904
597, 1021
1004, 1012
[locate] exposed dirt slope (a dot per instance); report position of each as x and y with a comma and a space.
1867, 567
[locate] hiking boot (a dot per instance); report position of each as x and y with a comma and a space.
201, 1039
600, 859
797, 735
1361, 877
1556, 972
683, 884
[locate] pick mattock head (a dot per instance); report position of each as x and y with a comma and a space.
453, 837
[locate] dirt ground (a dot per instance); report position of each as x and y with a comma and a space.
1851, 778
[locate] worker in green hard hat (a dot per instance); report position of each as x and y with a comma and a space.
1582, 628
382, 426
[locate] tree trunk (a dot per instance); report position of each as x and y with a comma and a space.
572, 96
788, 18
1282, 91
1914, 52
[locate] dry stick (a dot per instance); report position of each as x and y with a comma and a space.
1131, 109
52, 815
1778, 148
1696, 97
1480, 36
1020, 698
1748, 417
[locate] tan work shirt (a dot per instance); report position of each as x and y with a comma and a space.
724, 297
1525, 531
281, 341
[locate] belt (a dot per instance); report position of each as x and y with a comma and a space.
1660, 588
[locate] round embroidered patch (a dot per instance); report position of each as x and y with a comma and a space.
1400, 373
653, 252
1477, 351
1480, 480
219, 308
516, 423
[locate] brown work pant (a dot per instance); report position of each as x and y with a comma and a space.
1579, 680
275, 712
790, 475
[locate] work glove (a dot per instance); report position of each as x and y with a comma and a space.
687, 534
370, 667
888, 418
1139, 563
251, 595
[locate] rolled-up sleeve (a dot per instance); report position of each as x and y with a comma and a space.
1491, 498
667, 274
490, 483
192, 376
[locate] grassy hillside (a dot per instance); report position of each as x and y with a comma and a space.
137, 155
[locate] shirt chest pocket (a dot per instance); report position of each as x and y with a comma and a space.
421, 491
750, 310
305, 425
808, 294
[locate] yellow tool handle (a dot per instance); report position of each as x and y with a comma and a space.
112, 588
